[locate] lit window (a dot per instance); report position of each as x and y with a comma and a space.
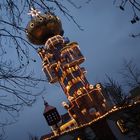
121, 125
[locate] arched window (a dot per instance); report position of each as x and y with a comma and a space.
67, 58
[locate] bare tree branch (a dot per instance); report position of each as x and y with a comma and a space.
114, 90
131, 74
135, 6
18, 84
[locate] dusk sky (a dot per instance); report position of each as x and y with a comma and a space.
105, 43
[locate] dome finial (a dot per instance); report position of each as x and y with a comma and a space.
34, 12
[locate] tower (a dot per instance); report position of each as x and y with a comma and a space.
61, 60
61, 63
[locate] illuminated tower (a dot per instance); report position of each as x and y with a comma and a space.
61, 61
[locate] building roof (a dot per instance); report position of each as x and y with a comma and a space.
48, 107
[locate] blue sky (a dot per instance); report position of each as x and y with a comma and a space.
105, 42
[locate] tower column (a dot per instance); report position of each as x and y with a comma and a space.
61, 63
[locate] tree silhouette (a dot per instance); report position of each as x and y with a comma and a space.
114, 90
17, 80
130, 74
134, 6
16, 91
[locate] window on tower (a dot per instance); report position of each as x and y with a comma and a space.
66, 81
60, 72
76, 73
67, 58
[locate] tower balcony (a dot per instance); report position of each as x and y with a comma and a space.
71, 55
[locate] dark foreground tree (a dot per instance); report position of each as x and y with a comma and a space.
130, 74
114, 91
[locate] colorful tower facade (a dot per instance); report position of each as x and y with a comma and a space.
61, 61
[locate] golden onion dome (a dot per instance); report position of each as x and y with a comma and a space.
42, 27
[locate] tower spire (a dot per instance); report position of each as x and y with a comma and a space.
34, 12
45, 102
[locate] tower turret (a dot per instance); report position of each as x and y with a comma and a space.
52, 117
